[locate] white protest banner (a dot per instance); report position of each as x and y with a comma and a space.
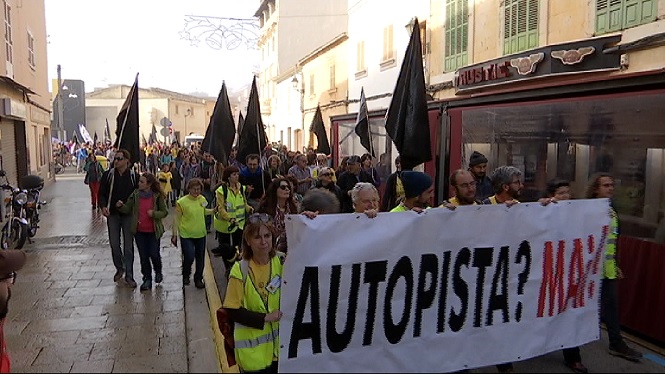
442, 290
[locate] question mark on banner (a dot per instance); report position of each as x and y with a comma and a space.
524, 251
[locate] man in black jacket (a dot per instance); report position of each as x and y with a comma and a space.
117, 184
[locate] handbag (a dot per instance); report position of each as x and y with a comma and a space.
225, 325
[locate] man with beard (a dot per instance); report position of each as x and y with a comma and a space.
478, 167
418, 191
507, 183
11, 260
464, 184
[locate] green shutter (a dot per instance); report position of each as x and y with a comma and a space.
520, 26
615, 15
457, 34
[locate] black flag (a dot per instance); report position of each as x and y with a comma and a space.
153, 135
362, 125
406, 119
145, 142
107, 131
75, 138
127, 123
94, 140
221, 131
253, 136
319, 129
241, 123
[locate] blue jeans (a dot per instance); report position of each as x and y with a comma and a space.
193, 249
148, 246
123, 258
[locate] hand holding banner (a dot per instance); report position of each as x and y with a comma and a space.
407, 289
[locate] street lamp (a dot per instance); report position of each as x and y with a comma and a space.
300, 88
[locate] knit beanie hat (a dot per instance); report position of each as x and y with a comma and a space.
415, 183
477, 158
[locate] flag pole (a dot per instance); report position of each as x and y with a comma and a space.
122, 130
258, 139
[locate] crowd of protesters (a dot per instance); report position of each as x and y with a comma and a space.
245, 203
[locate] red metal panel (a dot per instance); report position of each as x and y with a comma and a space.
434, 116
641, 301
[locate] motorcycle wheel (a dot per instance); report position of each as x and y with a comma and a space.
32, 228
18, 235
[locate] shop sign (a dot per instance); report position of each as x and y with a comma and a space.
14, 109
561, 59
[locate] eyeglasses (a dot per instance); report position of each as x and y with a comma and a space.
285, 187
325, 175
10, 278
607, 185
259, 217
118, 158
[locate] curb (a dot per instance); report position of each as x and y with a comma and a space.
214, 303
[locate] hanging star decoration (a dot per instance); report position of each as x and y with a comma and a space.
220, 32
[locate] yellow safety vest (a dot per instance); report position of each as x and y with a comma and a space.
610, 263
255, 349
235, 207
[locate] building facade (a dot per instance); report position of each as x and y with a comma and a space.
164, 109
284, 42
73, 108
25, 135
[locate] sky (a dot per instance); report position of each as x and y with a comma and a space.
105, 42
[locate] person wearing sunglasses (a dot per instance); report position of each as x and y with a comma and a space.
11, 261
277, 203
253, 295
117, 184
326, 182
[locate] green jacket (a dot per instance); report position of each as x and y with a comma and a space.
160, 211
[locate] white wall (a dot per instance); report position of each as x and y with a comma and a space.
367, 19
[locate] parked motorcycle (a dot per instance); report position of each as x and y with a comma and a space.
33, 185
15, 226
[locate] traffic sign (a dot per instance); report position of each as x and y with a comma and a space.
165, 131
165, 122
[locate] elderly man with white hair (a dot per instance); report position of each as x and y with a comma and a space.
365, 198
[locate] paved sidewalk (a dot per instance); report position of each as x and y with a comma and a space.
67, 314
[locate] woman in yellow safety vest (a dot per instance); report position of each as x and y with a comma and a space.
229, 219
253, 297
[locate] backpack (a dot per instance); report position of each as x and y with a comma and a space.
226, 324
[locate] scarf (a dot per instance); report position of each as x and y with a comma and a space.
146, 194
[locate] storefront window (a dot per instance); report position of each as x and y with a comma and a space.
573, 139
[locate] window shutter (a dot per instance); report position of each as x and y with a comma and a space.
457, 34
637, 12
532, 24
609, 15
520, 25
